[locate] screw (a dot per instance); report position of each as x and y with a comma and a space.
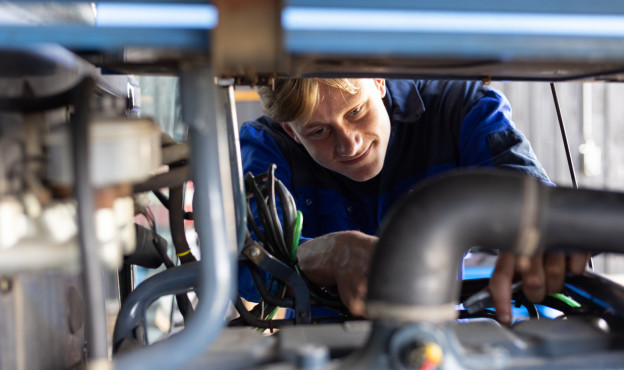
254, 252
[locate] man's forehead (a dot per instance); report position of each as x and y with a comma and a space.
332, 101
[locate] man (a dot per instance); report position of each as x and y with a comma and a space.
347, 149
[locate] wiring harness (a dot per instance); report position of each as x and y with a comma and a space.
271, 246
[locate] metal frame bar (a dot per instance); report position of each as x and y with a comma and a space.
214, 221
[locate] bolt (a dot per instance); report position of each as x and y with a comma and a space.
254, 252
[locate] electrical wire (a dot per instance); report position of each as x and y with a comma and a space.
564, 136
280, 238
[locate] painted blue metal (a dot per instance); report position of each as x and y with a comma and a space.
100, 38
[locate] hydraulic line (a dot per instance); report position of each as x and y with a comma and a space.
264, 292
176, 221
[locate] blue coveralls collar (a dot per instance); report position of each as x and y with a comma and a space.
403, 101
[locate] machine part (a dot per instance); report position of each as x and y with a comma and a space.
132, 314
174, 177
417, 243
284, 273
146, 253
226, 98
175, 153
217, 230
123, 150
109, 246
124, 219
13, 222
261, 53
42, 322
58, 220
39, 254
91, 269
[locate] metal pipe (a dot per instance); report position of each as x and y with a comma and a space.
422, 243
214, 221
175, 280
97, 342
240, 202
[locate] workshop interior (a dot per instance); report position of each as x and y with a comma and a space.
124, 212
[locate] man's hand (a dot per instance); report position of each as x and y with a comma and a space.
543, 274
340, 259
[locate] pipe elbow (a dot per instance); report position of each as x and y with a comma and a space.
423, 239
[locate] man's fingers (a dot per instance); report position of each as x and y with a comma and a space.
500, 286
555, 270
578, 262
533, 279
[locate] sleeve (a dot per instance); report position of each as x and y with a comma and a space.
488, 137
258, 151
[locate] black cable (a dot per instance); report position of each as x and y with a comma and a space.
184, 303
264, 292
563, 135
266, 220
162, 198
252, 320
278, 231
176, 223
254, 227
289, 212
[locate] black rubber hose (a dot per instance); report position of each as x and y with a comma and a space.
423, 240
254, 321
266, 220
277, 226
162, 198
264, 292
175, 177
145, 254
289, 212
176, 222
184, 303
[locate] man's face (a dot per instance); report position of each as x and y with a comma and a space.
347, 133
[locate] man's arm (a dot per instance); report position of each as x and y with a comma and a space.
340, 259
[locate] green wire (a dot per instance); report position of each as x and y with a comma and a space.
567, 300
269, 317
296, 236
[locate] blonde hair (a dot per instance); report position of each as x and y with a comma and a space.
296, 98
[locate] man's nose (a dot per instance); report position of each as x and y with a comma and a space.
348, 142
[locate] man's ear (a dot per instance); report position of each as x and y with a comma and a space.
381, 86
289, 130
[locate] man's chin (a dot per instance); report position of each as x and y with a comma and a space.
362, 175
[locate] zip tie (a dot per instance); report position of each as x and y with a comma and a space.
182, 254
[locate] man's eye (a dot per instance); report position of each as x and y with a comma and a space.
318, 132
355, 111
